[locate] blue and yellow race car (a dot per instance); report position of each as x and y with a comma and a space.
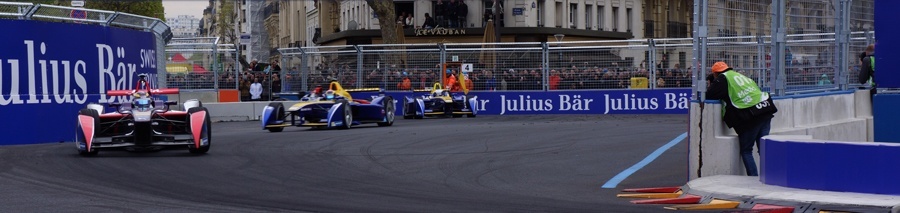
333, 108
439, 102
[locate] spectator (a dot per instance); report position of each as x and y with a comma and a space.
405, 84
245, 89
660, 82
429, 22
469, 84
255, 90
439, 11
462, 11
450, 13
253, 65
276, 84
409, 21
488, 16
554, 80
867, 73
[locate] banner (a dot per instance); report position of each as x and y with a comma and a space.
50, 70
659, 101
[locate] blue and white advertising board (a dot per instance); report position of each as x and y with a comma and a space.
659, 101
50, 70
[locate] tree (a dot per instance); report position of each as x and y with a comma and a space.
50, 2
149, 8
225, 21
386, 19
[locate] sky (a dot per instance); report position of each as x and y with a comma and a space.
185, 7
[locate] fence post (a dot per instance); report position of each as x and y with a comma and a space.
215, 64
545, 65
31, 12
304, 70
283, 72
651, 50
842, 46
359, 65
236, 68
761, 62
440, 72
777, 77
699, 60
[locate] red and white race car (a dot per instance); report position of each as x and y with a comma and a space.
143, 123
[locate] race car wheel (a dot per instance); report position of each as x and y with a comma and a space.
348, 114
94, 114
389, 111
206, 132
279, 114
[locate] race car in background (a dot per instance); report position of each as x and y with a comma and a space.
439, 102
334, 108
145, 123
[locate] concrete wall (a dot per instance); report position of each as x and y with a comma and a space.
837, 116
243, 111
209, 96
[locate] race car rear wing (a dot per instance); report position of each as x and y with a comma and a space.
170, 91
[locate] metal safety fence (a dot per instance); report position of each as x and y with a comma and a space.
54, 13
788, 46
201, 64
584, 65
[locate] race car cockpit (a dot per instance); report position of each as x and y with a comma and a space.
332, 95
142, 102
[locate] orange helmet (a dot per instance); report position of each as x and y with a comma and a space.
719, 67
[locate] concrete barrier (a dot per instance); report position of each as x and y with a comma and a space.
838, 116
241, 111
205, 96
830, 165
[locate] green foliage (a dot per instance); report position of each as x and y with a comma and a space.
149, 8
51, 2
225, 21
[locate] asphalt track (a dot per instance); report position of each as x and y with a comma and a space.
484, 164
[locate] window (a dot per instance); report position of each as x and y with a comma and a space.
559, 14
244, 15
628, 19
600, 20
588, 11
573, 9
615, 19
540, 14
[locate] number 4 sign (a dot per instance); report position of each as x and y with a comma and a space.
466, 67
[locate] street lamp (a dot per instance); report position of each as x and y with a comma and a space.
559, 38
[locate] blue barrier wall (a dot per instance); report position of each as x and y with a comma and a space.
660, 101
831, 166
49, 70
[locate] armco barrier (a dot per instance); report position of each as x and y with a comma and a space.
49, 70
662, 101
830, 165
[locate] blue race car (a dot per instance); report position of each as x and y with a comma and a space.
333, 108
439, 102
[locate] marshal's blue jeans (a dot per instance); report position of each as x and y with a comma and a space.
747, 137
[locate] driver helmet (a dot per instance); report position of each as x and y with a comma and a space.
438, 92
329, 95
142, 104
140, 94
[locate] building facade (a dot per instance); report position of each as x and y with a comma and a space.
184, 26
521, 21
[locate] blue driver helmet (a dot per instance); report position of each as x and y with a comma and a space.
329, 95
